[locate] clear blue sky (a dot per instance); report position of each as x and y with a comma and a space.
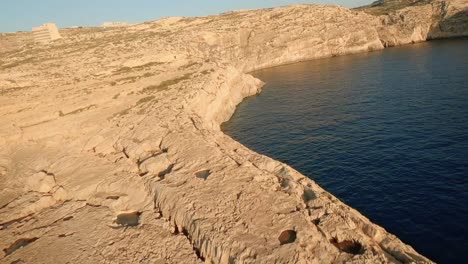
22, 15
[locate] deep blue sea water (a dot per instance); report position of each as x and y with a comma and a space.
386, 132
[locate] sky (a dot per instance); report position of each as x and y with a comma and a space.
22, 15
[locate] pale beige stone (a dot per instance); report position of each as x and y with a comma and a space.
46, 33
127, 120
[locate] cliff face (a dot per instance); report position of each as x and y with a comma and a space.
409, 21
110, 148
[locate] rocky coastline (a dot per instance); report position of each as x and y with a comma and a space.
111, 149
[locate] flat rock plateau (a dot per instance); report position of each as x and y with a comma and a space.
111, 149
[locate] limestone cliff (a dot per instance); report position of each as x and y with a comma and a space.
111, 152
410, 21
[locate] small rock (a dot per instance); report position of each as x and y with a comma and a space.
287, 236
128, 219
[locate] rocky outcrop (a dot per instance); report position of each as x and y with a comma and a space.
111, 152
420, 21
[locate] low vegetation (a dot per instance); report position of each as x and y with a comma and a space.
165, 84
383, 7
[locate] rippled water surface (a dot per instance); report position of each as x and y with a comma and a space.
386, 132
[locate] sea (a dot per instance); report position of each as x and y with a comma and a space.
386, 132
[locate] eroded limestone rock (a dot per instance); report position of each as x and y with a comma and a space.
111, 152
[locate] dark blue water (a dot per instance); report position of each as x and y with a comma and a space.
386, 132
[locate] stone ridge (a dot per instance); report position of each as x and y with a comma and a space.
111, 152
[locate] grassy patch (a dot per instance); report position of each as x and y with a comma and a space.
121, 113
16, 63
146, 66
165, 84
183, 67
145, 100
384, 7
148, 74
77, 111
207, 71
130, 79
5, 91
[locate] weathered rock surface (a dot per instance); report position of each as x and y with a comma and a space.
111, 152
423, 20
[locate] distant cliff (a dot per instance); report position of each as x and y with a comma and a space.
407, 21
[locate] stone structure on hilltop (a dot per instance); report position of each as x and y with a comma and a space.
114, 24
46, 33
